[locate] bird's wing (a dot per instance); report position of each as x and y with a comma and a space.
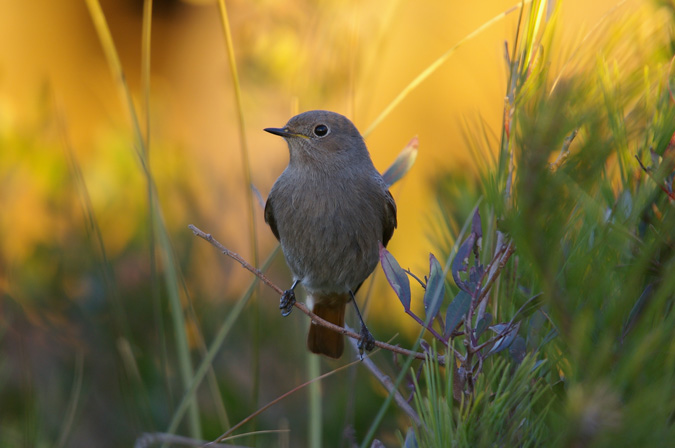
389, 223
269, 215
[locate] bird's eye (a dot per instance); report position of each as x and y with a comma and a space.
321, 130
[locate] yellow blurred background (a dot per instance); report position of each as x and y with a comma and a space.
351, 57
60, 114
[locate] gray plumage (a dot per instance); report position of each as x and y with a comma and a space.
330, 207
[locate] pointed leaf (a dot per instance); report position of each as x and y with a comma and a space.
636, 310
482, 324
626, 203
433, 295
402, 164
507, 56
548, 338
475, 277
410, 440
536, 366
456, 312
461, 261
518, 349
258, 196
476, 226
396, 277
528, 308
499, 328
655, 159
505, 340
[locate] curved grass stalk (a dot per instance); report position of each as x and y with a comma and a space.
178, 317
436, 64
248, 188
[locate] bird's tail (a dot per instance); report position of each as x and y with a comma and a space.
322, 340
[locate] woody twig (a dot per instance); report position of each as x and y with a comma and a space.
299, 305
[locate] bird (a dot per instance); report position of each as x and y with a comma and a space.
330, 209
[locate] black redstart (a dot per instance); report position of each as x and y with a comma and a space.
329, 209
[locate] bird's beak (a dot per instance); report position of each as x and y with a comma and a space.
283, 132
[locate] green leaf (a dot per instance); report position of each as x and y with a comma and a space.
456, 312
461, 261
396, 277
507, 336
518, 349
636, 310
528, 308
482, 325
433, 295
476, 226
410, 439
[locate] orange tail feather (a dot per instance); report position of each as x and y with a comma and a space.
322, 340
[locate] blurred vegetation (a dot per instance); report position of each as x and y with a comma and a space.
582, 186
110, 307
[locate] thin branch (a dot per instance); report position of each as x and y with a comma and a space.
510, 249
500, 247
229, 432
429, 327
564, 150
148, 439
510, 326
301, 306
388, 384
508, 122
502, 254
670, 194
502, 334
409, 272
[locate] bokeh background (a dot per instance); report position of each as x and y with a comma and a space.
87, 351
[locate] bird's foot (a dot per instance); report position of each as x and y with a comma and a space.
287, 301
366, 341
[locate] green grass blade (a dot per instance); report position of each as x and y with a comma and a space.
215, 346
248, 188
405, 367
178, 318
315, 414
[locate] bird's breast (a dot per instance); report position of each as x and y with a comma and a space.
329, 231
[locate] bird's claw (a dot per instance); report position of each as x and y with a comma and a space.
287, 301
366, 341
